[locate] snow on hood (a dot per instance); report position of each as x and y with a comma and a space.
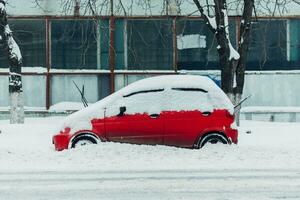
81, 120
66, 106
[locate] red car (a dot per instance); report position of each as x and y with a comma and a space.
176, 110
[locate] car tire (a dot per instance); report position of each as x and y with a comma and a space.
83, 141
213, 138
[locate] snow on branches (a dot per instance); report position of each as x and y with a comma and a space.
13, 47
215, 24
233, 53
15, 64
13, 50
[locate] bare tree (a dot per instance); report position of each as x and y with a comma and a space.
215, 14
15, 63
232, 63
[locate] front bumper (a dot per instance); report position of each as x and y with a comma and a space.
61, 142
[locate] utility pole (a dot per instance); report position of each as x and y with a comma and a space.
112, 52
15, 66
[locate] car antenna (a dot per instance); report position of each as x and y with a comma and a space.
240, 103
83, 99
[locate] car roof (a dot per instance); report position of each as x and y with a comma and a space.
170, 81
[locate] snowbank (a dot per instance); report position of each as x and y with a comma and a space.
29, 147
66, 106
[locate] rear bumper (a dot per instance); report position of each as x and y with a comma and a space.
61, 142
233, 135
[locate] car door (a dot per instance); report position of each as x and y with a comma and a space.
186, 114
139, 121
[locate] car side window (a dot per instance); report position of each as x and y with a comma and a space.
142, 92
139, 102
188, 99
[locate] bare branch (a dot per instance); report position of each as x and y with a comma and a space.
209, 21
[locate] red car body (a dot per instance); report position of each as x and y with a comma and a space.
162, 114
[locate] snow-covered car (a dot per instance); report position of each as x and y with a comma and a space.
176, 110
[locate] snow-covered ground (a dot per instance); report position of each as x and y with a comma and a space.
264, 165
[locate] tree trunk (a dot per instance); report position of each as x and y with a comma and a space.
15, 64
244, 43
15, 92
16, 108
227, 62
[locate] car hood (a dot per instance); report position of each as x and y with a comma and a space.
81, 120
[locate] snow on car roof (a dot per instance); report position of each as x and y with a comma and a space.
81, 120
219, 98
170, 81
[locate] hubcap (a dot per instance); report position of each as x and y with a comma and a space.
214, 141
83, 143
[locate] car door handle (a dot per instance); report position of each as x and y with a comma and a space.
206, 113
154, 116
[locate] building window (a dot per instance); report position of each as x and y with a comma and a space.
30, 36
268, 48
149, 44
74, 44
104, 43
294, 54
196, 45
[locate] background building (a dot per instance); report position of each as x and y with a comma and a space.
59, 47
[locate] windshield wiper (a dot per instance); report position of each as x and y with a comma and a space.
240, 103
83, 99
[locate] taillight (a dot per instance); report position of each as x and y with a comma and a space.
229, 115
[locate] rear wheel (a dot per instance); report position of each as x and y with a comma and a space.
213, 138
83, 141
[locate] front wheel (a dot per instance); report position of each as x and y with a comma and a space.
83, 141
213, 138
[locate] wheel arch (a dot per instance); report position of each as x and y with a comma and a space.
79, 134
208, 133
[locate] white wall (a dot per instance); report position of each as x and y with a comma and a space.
34, 88
273, 89
63, 88
267, 88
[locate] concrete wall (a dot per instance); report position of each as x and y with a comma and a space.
273, 89
34, 88
266, 88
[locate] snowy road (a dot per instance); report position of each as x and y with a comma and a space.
204, 184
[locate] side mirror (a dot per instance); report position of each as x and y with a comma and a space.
122, 111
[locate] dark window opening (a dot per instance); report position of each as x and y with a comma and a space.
74, 44
150, 44
197, 46
190, 89
143, 91
268, 47
30, 36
